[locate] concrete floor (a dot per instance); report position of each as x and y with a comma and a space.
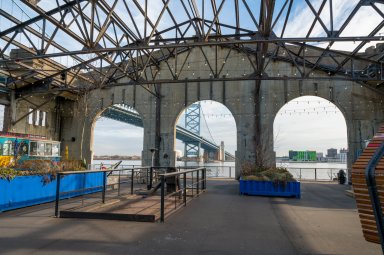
323, 221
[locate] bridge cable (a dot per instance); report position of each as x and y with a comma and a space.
206, 124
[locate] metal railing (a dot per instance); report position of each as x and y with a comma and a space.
100, 166
175, 187
194, 182
220, 171
299, 173
316, 174
121, 181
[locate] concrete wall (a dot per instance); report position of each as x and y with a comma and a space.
16, 116
361, 106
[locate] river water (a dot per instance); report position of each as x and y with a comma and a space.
300, 170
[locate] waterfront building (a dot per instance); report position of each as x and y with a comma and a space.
302, 155
332, 153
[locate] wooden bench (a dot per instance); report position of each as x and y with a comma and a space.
360, 187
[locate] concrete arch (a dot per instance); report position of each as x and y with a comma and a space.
292, 99
93, 125
184, 108
361, 106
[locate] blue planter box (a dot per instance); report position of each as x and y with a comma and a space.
268, 188
25, 191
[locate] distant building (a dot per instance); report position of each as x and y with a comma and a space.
343, 155
302, 155
320, 156
332, 153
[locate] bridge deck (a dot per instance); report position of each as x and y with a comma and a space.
221, 221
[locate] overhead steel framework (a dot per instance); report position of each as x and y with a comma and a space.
86, 44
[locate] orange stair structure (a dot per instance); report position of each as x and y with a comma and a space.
368, 186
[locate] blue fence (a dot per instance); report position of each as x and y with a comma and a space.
25, 191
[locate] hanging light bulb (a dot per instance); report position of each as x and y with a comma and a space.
227, 74
206, 63
188, 66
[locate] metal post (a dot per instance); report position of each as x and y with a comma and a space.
118, 184
331, 175
132, 173
185, 188
205, 178
162, 199
150, 178
192, 184
197, 182
57, 195
315, 174
104, 186
230, 172
300, 174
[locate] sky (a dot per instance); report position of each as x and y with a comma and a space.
305, 123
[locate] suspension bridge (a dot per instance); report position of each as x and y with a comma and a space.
190, 137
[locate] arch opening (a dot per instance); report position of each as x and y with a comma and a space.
310, 138
117, 135
206, 136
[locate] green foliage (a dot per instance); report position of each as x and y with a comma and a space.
45, 168
8, 174
276, 174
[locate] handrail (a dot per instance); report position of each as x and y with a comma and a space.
181, 172
169, 183
373, 192
199, 179
104, 182
104, 170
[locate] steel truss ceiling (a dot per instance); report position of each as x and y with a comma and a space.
81, 45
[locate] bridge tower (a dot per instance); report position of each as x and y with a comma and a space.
192, 124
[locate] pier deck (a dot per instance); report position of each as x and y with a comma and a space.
323, 221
